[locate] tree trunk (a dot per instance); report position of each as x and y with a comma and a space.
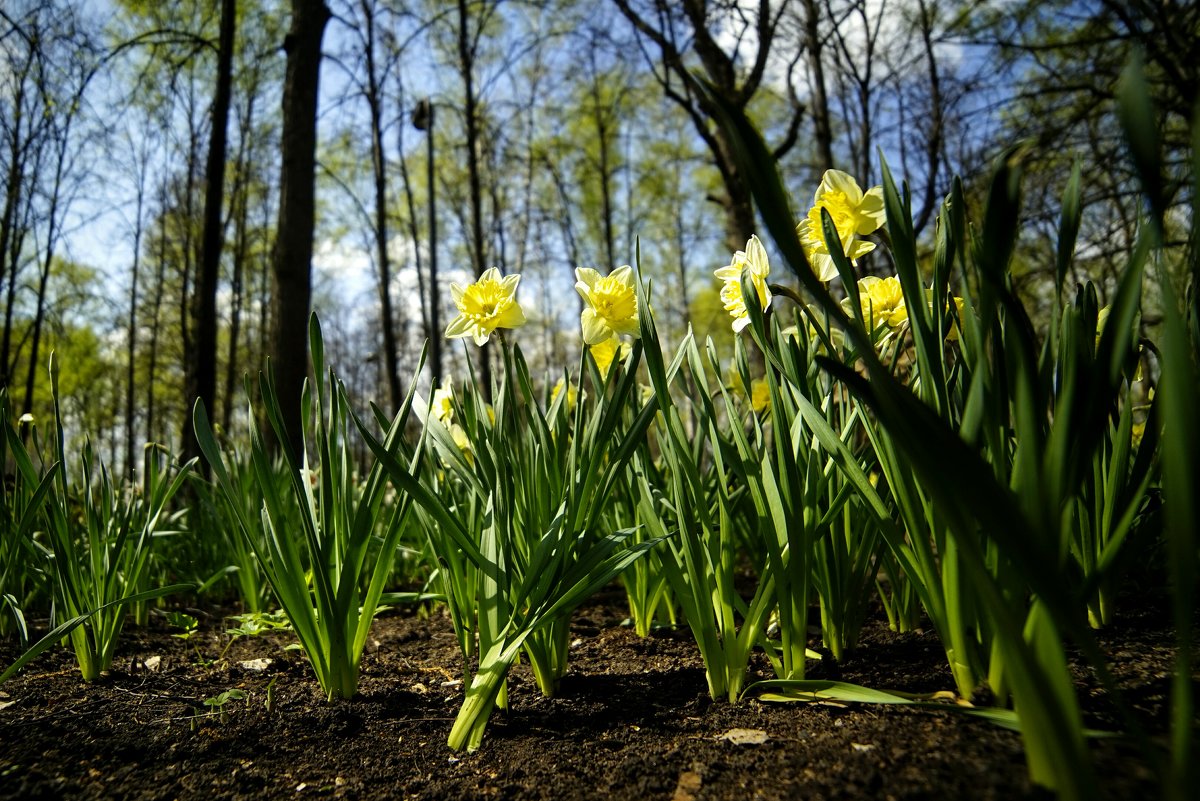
189, 254
160, 275
819, 105
131, 367
933, 138
8, 220
240, 200
291, 268
604, 160
47, 262
200, 381
466, 64
738, 202
62, 141
7, 226
379, 168
427, 299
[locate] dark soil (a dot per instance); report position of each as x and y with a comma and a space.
633, 721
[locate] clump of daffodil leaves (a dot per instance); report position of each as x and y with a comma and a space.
904, 423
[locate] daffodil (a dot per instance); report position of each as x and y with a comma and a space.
855, 213
610, 303
760, 395
812, 338
484, 306
882, 302
463, 442
442, 406
958, 308
572, 393
1101, 319
952, 334
754, 259
645, 393
605, 352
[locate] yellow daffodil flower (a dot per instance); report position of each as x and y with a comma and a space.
645, 393
1101, 319
572, 393
958, 307
753, 258
610, 303
605, 352
484, 306
442, 406
952, 334
760, 395
855, 213
463, 442
836, 337
882, 302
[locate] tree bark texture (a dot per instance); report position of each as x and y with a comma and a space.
291, 268
379, 170
200, 382
466, 64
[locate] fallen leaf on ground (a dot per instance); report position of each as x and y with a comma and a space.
744, 736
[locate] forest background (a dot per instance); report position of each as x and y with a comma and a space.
149, 182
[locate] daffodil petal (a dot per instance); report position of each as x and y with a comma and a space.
459, 327
859, 248
823, 266
624, 274
595, 330
512, 317
586, 276
730, 272
871, 213
838, 181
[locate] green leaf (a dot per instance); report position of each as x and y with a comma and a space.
1140, 124
1068, 229
61, 631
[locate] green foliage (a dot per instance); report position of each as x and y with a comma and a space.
97, 539
524, 542
1017, 429
21, 502
317, 577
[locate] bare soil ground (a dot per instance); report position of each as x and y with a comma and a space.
633, 721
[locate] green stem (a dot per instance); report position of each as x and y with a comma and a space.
831, 630
342, 681
482, 695
547, 652
85, 655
